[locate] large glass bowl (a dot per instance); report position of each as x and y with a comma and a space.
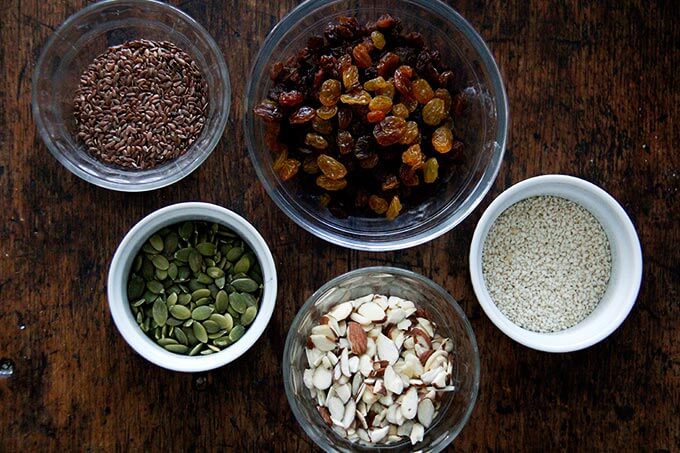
83, 37
484, 131
451, 322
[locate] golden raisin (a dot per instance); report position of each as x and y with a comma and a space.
422, 91
400, 110
431, 170
361, 56
394, 209
387, 64
375, 84
288, 169
369, 161
442, 139
378, 40
321, 126
344, 117
329, 92
443, 94
411, 134
389, 131
375, 116
411, 104
381, 103
316, 141
327, 183
377, 204
302, 115
357, 97
350, 77
413, 156
390, 182
408, 176
433, 112
280, 159
388, 90
331, 167
326, 113
310, 166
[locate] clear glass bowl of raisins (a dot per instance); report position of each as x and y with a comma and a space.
376, 126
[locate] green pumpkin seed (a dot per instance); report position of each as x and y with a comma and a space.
173, 271
249, 315
181, 337
140, 317
206, 352
211, 326
147, 270
149, 249
204, 301
206, 248
221, 301
195, 261
201, 313
160, 262
139, 303
233, 313
177, 348
196, 349
135, 287
199, 332
195, 284
184, 299
188, 323
242, 265
180, 312
218, 334
156, 242
237, 303
161, 275
172, 300
224, 321
246, 285
167, 341
171, 242
213, 348
236, 333
160, 312
220, 281
182, 255
185, 230
155, 286
234, 254
250, 299
189, 332
200, 294
204, 278
222, 342
137, 263
173, 322
214, 272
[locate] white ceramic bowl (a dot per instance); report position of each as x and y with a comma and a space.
626, 273
120, 268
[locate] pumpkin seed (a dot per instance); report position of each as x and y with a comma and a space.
160, 275
211, 326
184, 299
137, 263
139, 303
218, 334
185, 230
220, 281
213, 348
201, 313
214, 272
183, 254
140, 317
181, 337
156, 242
221, 301
222, 342
188, 323
200, 294
160, 312
247, 285
172, 300
160, 262
237, 302
206, 352
242, 265
250, 299
206, 248
199, 332
171, 242
167, 341
155, 286
224, 321
196, 349
236, 333
177, 348
195, 261
234, 254
135, 287
173, 322
204, 278
180, 312
249, 315
203, 301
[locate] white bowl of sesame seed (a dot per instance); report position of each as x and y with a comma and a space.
556, 263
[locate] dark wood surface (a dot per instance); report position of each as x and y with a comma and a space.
593, 89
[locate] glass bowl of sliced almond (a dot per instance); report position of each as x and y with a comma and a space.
381, 358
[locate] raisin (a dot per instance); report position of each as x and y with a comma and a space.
408, 176
327, 183
322, 126
361, 55
330, 92
388, 90
394, 208
402, 81
302, 115
387, 64
446, 78
391, 182
316, 141
369, 162
400, 110
381, 103
349, 22
443, 94
375, 84
413, 156
310, 166
331, 167
411, 134
434, 112
288, 169
362, 147
389, 131
411, 104
414, 39
326, 113
422, 91
350, 77
344, 117
378, 39
375, 116
431, 170
357, 97
442, 139
269, 111
386, 21
377, 204
345, 142
280, 159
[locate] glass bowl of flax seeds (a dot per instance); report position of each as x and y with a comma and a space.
131, 95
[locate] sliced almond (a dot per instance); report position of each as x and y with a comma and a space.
440, 380
332, 357
362, 300
344, 392
314, 357
365, 365
362, 419
386, 400
341, 311
379, 434
322, 342
356, 317
322, 379
335, 326
395, 316
335, 407
405, 428
371, 311
381, 300
394, 301
325, 330
417, 433
308, 378
353, 364
336, 371
425, 412
409, 404
429, 376
387, 350
342, 328
393, 382
344, 363
349, 415
436, 359
357, 338
356, 382
363, 435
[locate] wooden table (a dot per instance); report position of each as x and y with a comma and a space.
593, 89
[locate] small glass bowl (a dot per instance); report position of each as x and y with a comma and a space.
485, 133
451, 322
83, 37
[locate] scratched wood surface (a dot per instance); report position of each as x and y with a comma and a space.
593, 89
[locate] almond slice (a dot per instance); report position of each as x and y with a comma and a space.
387, 350
349, 415
322, 342
323, 377
379, 434
396, 316
364, 321
307, 378
335, 407
357, 338
324, 329
353, 364
417, 433
344, 363
341, 311
409, 404
393, 382
425, 412
344, 392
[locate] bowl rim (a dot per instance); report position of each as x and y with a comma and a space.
396, 271
178, 174
537, 186
444, 223
118, 274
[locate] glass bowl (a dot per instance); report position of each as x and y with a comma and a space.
446, 313
485, 133
83, 37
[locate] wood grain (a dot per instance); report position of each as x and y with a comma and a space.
593, 89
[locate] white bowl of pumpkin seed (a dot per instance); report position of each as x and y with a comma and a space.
192, 287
